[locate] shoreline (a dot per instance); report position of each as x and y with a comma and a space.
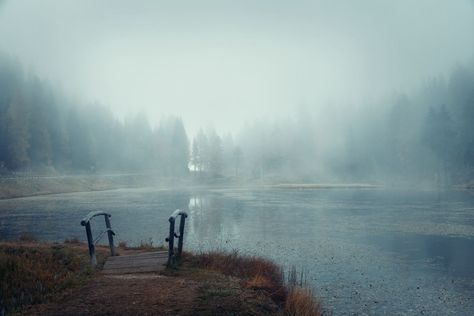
211, 283
22, 187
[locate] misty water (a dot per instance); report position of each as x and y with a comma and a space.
363, 251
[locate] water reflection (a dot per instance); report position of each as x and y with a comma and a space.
366, 252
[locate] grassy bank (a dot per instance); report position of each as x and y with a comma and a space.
263, 277
56, 279
12, 187
33, 273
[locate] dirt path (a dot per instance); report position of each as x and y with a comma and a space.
139, 294
188, 292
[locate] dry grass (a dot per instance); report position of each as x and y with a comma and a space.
245, 267
31, 275
301, 302
73, 240
145, 244
259, 282
222, 283
262, 275
257, 273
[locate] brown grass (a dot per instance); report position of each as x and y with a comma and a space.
145, 244
262, 275
259, 282
301, 302
258, 273
218, 283
73, 240
30, 275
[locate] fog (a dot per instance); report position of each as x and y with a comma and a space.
228, 62
293, 90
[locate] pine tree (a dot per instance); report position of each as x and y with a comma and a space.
17, 136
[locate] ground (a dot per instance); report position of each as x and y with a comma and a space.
67, 287
188, 293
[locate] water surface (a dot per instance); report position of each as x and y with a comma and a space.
365, 252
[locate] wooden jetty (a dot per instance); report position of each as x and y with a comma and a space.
137, 263
144, 262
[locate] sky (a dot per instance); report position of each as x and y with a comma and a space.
224, 63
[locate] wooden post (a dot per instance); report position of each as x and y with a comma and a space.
90, 242
171, 242
110, 234
181, 234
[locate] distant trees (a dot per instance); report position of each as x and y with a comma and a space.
439, 136
16, 132
207, 153
427, 136
237, 159
40, 130
174, 147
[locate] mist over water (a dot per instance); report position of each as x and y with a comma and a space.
335, 136
305, 91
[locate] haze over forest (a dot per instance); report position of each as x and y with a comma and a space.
314, 91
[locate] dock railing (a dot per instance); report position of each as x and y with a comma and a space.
86, 221
172, 256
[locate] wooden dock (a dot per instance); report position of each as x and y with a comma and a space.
136, 263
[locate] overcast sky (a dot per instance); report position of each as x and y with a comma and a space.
233, 61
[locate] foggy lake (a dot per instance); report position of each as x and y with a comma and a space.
371, 251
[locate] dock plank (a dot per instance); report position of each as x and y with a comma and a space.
136, 263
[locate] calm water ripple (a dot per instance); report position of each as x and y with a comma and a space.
365, 252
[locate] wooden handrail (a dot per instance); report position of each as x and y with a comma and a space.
172, 235
89, 216
86, 221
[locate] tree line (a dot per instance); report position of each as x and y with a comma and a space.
426, 137
423, 137
44, 131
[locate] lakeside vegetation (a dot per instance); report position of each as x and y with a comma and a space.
33, 273
43, 278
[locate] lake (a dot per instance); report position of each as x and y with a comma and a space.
364, 251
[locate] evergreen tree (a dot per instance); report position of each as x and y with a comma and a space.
216, 161
17, 136
195, 156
